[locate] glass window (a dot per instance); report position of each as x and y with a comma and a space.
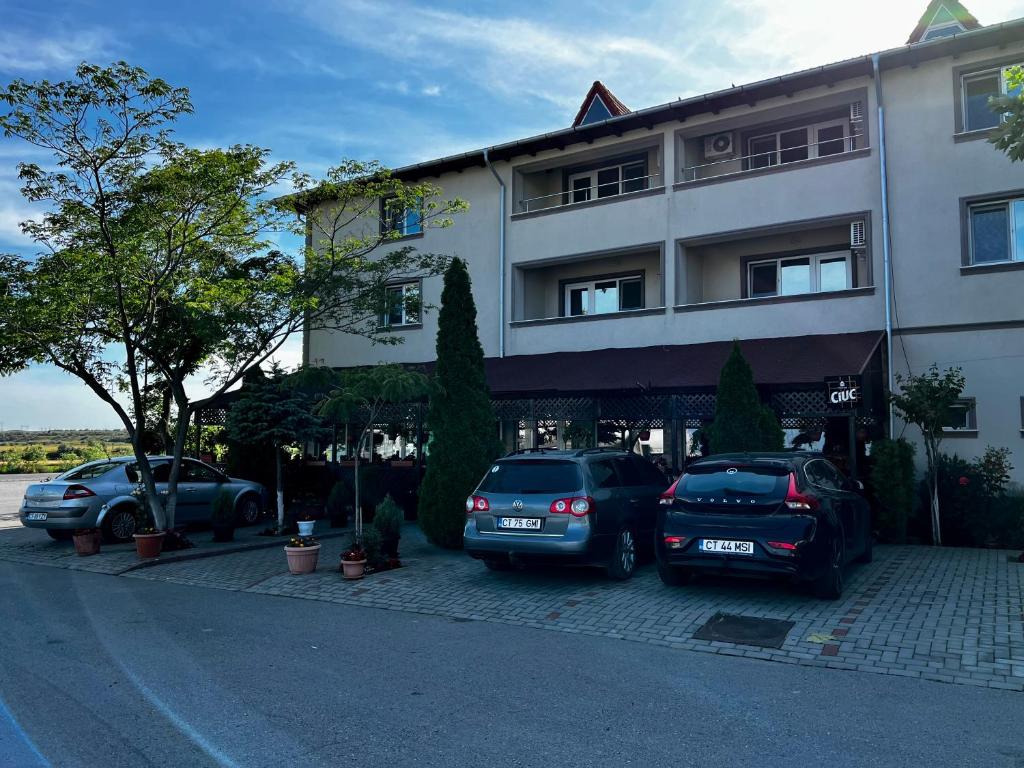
608, 182
606, 297
832, 275
401, 305
960, 416
823, 475
579, 301
532, 476
89, 471
770, 482
603, 474
631, 294
793, 145
194, 472
633, 177
1018, 229
763, 279
795, 277
762, 151
399, 220
581, 189
830, 140
978, 89
990, 233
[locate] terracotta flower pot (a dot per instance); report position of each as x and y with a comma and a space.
353, 569
148, 545
302, 559
87, 543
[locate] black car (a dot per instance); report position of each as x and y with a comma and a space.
767, 514
591, 506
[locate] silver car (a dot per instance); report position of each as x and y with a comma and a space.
100, 495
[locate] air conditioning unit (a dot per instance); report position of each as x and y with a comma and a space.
856, 111
858, 236
719, 145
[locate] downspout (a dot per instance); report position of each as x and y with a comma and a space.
886, 248
501, 257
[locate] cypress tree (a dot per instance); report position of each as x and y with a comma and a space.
461, 420
741, 422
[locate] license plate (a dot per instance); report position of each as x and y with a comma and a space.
520, 523
727, 546
35, 516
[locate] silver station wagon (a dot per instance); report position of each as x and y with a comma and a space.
100, 495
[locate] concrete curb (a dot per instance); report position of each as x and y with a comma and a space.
189, 554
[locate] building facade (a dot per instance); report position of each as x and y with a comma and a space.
614, 262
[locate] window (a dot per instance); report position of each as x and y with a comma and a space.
532, 476
89, 471
608, 181
822, 474
600, 297
194, 472
639, 472
976, 89
996, 231
401, 305
603, 474
795, 144
399, 220
961, 417
800, 274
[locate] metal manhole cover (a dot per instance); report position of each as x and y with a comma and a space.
745, 630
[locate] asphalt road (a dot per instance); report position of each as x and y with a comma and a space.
12, 491
103, 671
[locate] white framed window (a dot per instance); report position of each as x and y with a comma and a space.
794, 275
995, 231
832, 137
604, 296
608, 181
400, 220
401, 305
962, 416
976, 88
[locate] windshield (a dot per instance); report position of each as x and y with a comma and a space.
532, 476
768, 482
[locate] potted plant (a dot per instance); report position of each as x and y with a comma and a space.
388, 520
353, 562
306, 522
303, 553
223, 517
148, 542
87, 541
339, 502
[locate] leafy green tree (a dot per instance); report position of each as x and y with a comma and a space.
272, 411
924, 401
1009, 134
157, 258
461, 420
741, 422
359, 395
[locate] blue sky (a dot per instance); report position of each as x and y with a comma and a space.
400, 82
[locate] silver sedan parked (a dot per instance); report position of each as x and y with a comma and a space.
100, 495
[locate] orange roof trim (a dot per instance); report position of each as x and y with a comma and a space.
612, 104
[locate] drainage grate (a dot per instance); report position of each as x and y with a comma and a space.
745, 630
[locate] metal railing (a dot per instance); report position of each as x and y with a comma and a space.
772, 159
569, 197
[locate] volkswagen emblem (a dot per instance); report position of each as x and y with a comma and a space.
517, 505
731, 471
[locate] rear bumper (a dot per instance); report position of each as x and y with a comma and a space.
575, 546
751, 565
60, 518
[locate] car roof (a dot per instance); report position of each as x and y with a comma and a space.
788, 458
533, 454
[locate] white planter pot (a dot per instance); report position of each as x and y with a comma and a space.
306, 527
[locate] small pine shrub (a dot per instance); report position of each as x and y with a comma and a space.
388, 518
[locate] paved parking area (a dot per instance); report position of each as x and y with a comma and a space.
12, 491
952, 615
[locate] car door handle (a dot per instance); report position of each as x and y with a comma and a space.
634, 501
190, 490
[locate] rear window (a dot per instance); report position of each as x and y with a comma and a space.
768, 482
89, 471
534, 476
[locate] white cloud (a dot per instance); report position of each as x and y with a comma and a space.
431, 90
23, 54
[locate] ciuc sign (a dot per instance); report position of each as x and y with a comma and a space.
843, 393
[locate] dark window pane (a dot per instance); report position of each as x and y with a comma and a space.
753, 481
578, 301
604, 475
977, 91
762, 151
395, 315
990, 234
608, 182
532, 476
581, 189
830, 140
633, 177
958, 416
631, 294
763, 280
793, 145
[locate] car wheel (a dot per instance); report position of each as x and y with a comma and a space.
249, 510
868, 554
58, 535
498, 564
830, 585
623, 561
673, 577
119, 524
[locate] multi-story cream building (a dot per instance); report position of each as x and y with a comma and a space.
845, 222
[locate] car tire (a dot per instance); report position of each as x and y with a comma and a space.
59, 535
248, 511
498, 564
119, 525
868, 554
830, 585
622, 564
672, 576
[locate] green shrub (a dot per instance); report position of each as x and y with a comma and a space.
388, 518
373, 546
892, 485
340, 501
33, 453
223, 509
741, 422
975, 509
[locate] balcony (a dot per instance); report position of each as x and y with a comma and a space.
596, 286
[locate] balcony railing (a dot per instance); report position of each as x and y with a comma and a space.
774, 159
605, 191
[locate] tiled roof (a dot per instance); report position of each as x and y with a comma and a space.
598, 89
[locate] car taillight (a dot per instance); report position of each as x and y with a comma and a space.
477, 504
787, 545
577, 506
675, 542
77, 492
797, 500
666, 498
